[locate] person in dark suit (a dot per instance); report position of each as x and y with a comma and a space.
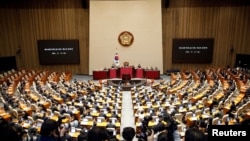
194, 134
237, 121
105, 106
110, 124
10, 130
83, 136
102, 114
97, 134
114, 115
128, 133
214, 103
50, 131
232, 109
153, 113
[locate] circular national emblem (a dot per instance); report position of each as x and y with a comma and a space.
126, 38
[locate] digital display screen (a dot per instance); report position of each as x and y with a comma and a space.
192, 50
54, 52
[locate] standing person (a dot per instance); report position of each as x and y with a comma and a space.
128, 133
97, 134
10, 131
51, 131
110, 124
232, 109
194, 134
163, 136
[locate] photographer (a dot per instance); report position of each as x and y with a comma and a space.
163, 136
51, 131
194, 134
173, 133
10, 131
147, 133
128, 133
98, 134
166, 123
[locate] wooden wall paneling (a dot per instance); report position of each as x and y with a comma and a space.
31, 21
241, 30
181, 20
8, 37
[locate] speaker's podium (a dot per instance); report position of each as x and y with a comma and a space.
126, 78
126, 82
126, 70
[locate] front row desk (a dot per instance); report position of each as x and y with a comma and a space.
119, 72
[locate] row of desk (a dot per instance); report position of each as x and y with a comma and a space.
119, 72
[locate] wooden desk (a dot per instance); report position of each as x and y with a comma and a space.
96, 114
102, 74
104, 124
163, 87
155, 85
126, 70
4, 115
217, 97
199, 96
45, 104
24, 107
247, 115
139, 73
33, 97
126, 77
100, 124
87, 123
58, 99
236, 101
150, 124
182, 110
77, 104
55, 118
191, 120
175, 89
74, 134
112, 73
77, 114
152, 74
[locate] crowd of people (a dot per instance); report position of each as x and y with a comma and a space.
51, 131
85, 94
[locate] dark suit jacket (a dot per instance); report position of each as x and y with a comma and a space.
110, 125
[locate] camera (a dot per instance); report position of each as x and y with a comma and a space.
167, 123
147, 131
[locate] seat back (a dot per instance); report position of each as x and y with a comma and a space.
30, 119
215, 121
188, 115
67, 116
198, 112
178, 117
224, 118
113, 120
39, 122
57, 113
